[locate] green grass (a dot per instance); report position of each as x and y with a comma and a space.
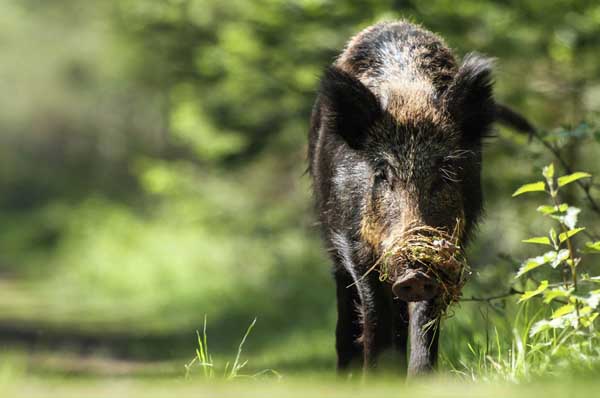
480, 356
231, 370
313, 386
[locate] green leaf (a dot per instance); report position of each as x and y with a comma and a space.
541, 240
564, 180
587, 321
551, 294
585, 310
529, 294
539, 326
533, 263
548, 172
566, 235
532, 187
546, 209
565, 309
556, 323
592, 247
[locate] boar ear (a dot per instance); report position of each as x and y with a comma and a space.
469, 97
352, 107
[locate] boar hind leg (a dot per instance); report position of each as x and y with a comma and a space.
424, 334
348, 329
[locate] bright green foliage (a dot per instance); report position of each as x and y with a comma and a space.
540, 240
579, 306
550, 257
564, 180
593, 247
533, 187
558, 292
545, 209
568, 234
548, 172
540, 289
554, 328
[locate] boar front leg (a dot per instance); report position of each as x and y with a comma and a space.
400, 317
377, 320
347, 332
424, 335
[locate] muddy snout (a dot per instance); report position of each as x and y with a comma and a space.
415, 285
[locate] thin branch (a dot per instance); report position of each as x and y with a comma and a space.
511, 292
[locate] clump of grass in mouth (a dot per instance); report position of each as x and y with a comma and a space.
435, 252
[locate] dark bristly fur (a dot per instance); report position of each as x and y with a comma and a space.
352, 106
395, 142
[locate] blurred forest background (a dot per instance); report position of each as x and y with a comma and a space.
152, 163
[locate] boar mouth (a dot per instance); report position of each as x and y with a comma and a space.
431, 251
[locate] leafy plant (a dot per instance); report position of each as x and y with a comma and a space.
205, 360
570, 294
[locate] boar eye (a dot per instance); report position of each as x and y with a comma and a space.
382, 174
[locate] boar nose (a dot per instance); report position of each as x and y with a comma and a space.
414, 285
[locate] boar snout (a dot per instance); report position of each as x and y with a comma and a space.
414, 285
